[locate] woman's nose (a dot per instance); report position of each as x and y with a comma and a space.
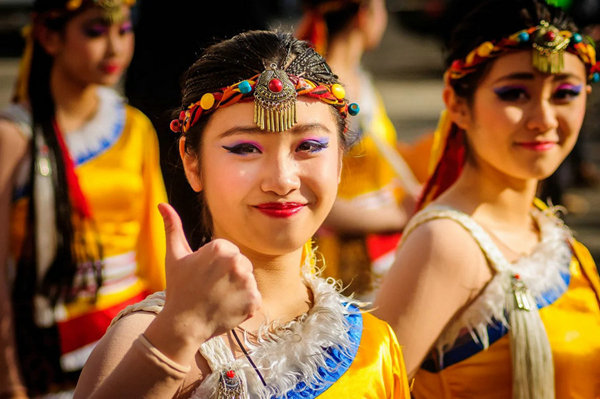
281, 175
542, 117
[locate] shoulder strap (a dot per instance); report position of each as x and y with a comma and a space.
153, 303
481, 237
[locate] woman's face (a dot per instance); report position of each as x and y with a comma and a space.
522, 122
375, 23
93, 51
268, 192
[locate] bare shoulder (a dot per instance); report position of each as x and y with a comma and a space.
12, 137
119, 338
117, 341
442, 243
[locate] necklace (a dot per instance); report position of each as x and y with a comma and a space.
518, 254
239, 342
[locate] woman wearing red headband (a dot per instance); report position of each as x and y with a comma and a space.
379, 187
490, 294
263, 124
80, 237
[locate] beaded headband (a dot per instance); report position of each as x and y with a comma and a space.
549, 44
274, 92
110, 8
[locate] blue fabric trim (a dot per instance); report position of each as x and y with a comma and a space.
106, 142
338, 362
466, 347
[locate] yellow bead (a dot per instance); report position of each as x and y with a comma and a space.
485, 49
207, 101
338, 91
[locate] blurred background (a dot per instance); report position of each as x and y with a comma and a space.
407, 69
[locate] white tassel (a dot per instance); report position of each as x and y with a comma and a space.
533, 368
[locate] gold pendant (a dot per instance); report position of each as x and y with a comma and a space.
521, 294
231, 386
274, 101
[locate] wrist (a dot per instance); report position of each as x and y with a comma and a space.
175, 337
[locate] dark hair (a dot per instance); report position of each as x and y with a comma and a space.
338, 19
493, 20
37, 356
239, 58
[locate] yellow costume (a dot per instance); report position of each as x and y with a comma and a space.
460, 367
117, 164
351, 355
374, 175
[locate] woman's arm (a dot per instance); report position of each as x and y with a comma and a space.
13, 147
209, 292
438, 270
347, 217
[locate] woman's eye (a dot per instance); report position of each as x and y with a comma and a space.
126, 28
568, 93
243, 149
95, 31
312, 146
511, 93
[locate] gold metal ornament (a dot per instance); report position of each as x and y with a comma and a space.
549, 46
231, 386
274, 101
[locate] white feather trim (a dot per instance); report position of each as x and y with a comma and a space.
286, 354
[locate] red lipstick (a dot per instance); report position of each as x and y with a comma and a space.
280, 209
538, 145
111, 68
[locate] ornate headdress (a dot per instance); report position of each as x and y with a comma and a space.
274, 92
112, 9
548, 44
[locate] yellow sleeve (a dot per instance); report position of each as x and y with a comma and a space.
151, 240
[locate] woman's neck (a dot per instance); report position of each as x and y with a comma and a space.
283, 290
75, 103
492, 197
344, 56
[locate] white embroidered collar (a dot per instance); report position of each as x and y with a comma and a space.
102, 131
286, 354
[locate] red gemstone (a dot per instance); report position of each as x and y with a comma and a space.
550, 36
230, 374
275, 85
517, 276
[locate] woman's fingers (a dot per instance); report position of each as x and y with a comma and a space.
177, 245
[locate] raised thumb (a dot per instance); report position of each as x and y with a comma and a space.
177, 245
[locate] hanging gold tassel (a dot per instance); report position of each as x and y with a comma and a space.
533, 368
274, 101
549, 47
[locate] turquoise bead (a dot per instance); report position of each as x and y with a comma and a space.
577, 38
596, 77
353, 109
523, 37
245, 87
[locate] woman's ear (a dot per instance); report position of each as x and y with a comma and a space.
50, 40
457, 107
340, 166
190, 166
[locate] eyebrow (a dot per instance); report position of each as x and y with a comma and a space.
531, 76
297, 129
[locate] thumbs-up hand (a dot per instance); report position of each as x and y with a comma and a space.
209, 291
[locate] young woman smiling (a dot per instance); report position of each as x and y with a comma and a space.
490, 294
246, 315
80, 180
